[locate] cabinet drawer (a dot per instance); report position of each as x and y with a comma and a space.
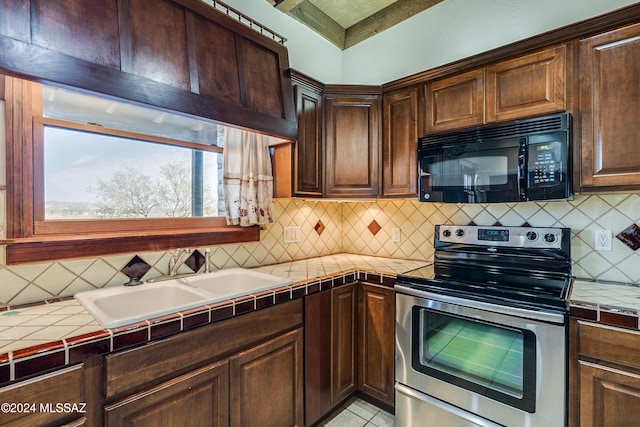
161, 360
609, 343
64, 387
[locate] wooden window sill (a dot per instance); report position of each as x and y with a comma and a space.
57, 247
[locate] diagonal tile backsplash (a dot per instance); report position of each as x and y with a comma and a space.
583, 214
347, 227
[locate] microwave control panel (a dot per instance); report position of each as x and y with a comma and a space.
545, 164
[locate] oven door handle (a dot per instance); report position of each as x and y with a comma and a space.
464, 415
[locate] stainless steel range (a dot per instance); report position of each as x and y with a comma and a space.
481, 336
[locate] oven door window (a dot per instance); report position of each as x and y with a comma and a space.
495, 361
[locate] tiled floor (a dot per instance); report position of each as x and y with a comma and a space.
358, 413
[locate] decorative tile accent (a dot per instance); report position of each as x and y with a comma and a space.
165, 326
319, 227
135, 269
195, 317
130, 336
374, 227
88, 345
630, 236
623, 318
195, 261
36, 365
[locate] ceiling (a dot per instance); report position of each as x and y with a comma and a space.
346, 23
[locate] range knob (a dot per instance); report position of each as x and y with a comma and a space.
531, 235
549, 238
459, 232
446, 233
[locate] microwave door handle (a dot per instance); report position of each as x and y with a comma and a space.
522, 177
522, 170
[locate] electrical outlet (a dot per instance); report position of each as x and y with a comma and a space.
396, 236
602, 240
291, 234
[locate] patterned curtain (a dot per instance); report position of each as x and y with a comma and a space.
248, 179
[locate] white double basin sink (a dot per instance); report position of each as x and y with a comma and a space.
123, 305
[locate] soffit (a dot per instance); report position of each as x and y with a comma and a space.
346, 23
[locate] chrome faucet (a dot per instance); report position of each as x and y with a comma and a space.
176, 260
207, 260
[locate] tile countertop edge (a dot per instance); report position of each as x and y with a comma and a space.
610, 303
22, 363
615, 304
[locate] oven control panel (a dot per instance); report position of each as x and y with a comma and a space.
524, 237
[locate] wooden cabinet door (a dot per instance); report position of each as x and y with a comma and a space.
41, 395
198, 398
376, 342
610, 107
267, 384
308, 150
343, 349
400, 143
529, 85
608, 397
317, 348
352, 145
455, 102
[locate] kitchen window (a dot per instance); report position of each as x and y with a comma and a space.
87, 169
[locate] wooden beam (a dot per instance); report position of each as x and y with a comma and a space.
286, 5
384, 19
307, 13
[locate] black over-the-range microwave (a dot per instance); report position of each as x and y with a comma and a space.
507, 162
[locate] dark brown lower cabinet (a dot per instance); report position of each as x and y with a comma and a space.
344, 325
261, 386
604, 375
198, 398
317, 345
245, 371
376, 336
349, 346
30, 403
267, 383
608, 396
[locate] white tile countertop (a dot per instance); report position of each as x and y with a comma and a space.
25, 332
609, 294
606, 302
65, 331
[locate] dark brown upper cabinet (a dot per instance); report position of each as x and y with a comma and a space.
524, 86
454, 102
180, 55
528, 85
308, 151
161, 55
399, 143
85, 34
352, 126
610, 107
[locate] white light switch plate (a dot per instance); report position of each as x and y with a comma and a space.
291, 234
396, 235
